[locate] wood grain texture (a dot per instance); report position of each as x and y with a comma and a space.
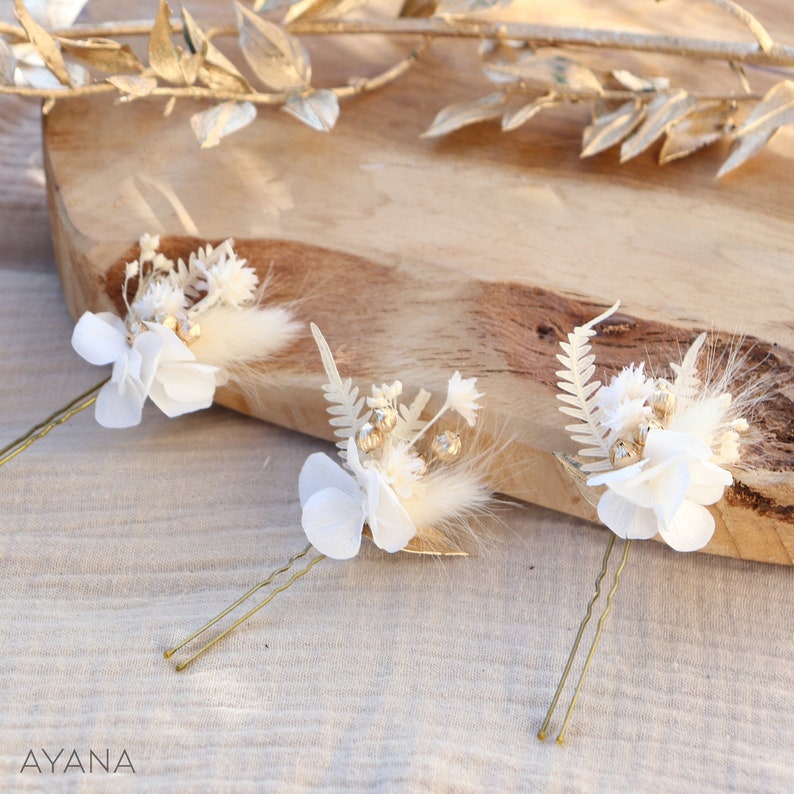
477, 252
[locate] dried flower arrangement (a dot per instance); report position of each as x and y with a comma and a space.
529, 65
655, 454
400, 485
188, 328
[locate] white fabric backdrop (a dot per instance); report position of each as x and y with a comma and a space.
385, 673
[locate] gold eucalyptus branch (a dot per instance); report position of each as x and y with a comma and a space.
527, 63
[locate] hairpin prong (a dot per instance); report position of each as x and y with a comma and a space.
264, 583
596, 638
59, 417
578, 640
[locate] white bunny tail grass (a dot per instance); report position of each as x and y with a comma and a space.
235, 339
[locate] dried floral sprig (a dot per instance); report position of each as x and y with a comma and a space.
408, 494
528, 63
654, 451
404, 491
189, 328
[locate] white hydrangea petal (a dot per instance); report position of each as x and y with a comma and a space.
390, 523
174, 349
625, 519
617, 475
196, 394
691, 528
100, 338
708, 483
637, 490
333, 522
662, 445
318, 472
117, 408
189, 383
669, 490
149, 347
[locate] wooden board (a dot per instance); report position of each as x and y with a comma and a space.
477, 252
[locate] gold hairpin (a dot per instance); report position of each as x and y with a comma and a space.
264, 583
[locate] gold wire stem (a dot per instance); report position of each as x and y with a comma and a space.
610, 596
287, 565
577, 641
59, 417
294, 578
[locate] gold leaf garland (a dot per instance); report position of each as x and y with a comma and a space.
633, 111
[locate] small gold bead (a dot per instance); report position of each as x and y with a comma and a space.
169, 321
422, 471
369, 438
446, 446
623, 453
188, 333
662, 402
643, 428
384, 419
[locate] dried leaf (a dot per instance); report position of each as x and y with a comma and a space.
416, 9
216, 71
318, 9
44, 44
775, 110
104, 54
222, 120
319, 109
278, 58
461, 7
574, 469
747, 147
7, 64
133, 85
704, 125
559, 71
430, 541
634, 82
663, 111
164, 57
513, 119
610, 129
461, 114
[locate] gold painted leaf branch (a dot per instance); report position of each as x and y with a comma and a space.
44, 43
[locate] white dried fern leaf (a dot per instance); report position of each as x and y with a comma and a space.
346, 406
580, 392
410, 422
687, 383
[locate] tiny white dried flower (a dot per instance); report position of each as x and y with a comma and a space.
385, 394
462, 397
401, 467
162, 263
621, 402
132, 269
149, 244
160, 299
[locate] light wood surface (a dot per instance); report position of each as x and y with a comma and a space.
475, 252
